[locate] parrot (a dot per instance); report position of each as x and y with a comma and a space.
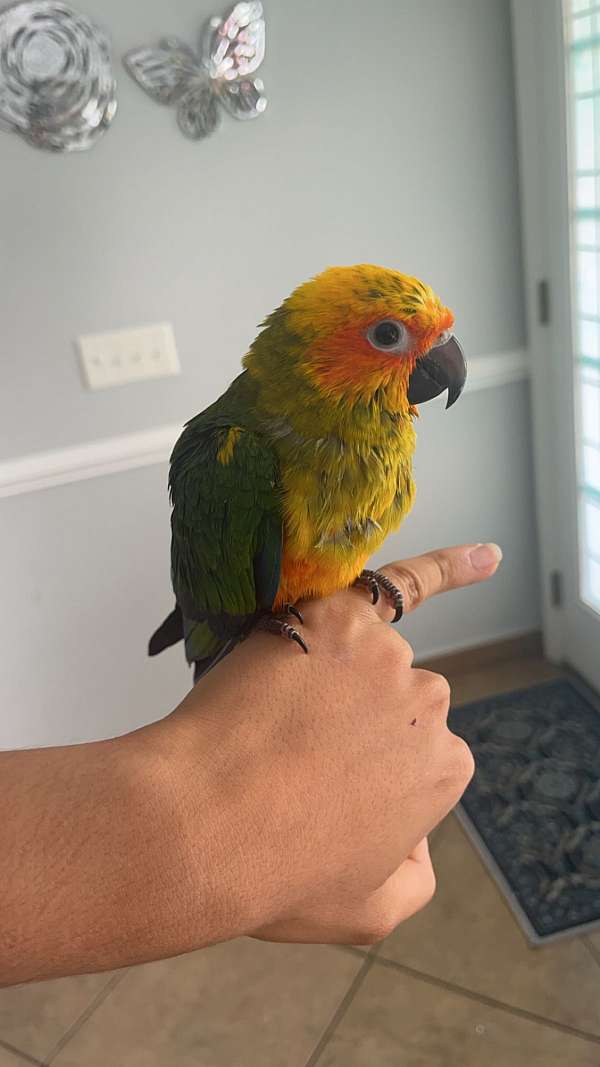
284, 487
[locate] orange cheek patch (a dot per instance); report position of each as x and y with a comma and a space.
345, 362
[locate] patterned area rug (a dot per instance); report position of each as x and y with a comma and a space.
533, 807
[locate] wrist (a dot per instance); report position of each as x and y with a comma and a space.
205, 847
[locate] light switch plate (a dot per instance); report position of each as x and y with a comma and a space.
120, 356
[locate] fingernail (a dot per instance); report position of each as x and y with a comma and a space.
485, 556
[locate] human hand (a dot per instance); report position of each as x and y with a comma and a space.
327, 771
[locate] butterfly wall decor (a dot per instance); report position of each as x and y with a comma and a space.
219, 76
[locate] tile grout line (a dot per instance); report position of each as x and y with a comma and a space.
352, 950
95, 1003
25, 1056
340, 1011
482, 998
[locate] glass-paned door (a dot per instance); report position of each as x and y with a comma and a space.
582, 34
557, 63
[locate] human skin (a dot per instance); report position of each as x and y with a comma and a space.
288, 797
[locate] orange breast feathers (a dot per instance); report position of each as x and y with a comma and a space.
306, 579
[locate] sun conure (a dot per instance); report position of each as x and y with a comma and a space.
283, 488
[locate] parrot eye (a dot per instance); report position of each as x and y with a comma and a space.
389, 335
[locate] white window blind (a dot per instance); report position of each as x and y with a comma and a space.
583, 37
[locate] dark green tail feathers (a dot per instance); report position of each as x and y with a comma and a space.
169, 633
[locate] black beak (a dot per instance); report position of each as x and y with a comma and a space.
442, 368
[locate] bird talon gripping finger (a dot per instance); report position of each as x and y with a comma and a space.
286, 485
376, 580
367, 580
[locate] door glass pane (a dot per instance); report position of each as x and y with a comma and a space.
584, 132
589, 339
587, 281
583, 21
590, 411
586, 188
586, 233
593, 580
591, 467
591, 524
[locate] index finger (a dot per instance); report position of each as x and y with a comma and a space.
437, 572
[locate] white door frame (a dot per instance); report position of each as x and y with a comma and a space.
541, 99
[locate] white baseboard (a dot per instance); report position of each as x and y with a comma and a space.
454, 648
45, 470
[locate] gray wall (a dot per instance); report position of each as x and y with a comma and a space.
389, 138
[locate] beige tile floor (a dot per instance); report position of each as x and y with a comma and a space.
457, 986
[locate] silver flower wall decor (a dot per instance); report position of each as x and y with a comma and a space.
231, 50
56, 84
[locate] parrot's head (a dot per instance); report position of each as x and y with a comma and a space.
357, 332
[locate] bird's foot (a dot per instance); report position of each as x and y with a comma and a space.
376, 583
278, 624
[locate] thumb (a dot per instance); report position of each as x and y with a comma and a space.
437, 572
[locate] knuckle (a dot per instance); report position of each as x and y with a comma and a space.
376, 924
389, 653
461, 764
440, 689
404, 651
436, 687
396, 647
429, 886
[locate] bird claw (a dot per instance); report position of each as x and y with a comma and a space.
290, 609
367, 580
376, 582
276, 624
295, 635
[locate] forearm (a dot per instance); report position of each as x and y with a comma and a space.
98, 869
288, 796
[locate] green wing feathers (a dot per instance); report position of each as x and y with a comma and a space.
226, 534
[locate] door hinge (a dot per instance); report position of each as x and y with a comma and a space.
556, 589
544, 302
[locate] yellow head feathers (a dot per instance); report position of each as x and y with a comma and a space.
353, 332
